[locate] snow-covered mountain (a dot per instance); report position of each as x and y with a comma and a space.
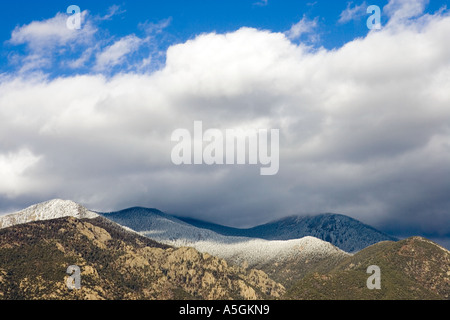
47, 211
256, 252
344, 232
291, 239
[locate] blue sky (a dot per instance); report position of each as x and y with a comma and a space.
181, 21
187, 19
87, 115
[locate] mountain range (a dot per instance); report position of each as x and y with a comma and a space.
237, 249
315, 257
116, 264
343, 232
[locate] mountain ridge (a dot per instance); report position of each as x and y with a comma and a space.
169, 230
116, 265
338, 229
346, 233
305, 268
255, 252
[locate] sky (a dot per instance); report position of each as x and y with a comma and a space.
87, 114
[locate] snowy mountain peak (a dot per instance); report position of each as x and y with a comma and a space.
48, 210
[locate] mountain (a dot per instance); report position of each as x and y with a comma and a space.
46, 211
295, 257
170, 230
284, 260
141, 253
286, 249
167, 229
346, 233
411, 269
116, 264
343, 232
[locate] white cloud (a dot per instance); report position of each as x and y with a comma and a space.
352, 13
261, 3
50, 41
116, 53
114, 10
155, 28
363, 128
34, 62
304, 26
399, 10
48, 38
13, 169
83, 59
53, 32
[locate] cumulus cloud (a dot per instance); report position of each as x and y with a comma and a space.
13, 168
363, 129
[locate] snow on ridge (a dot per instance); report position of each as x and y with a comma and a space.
174, 232
256, 251
48, 210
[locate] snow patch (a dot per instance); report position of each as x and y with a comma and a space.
53, 209
174, 232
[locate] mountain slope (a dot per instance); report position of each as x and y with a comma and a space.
115, 264
294, 258
148, 254
52, 209
415, 268
343, 232
170, 230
